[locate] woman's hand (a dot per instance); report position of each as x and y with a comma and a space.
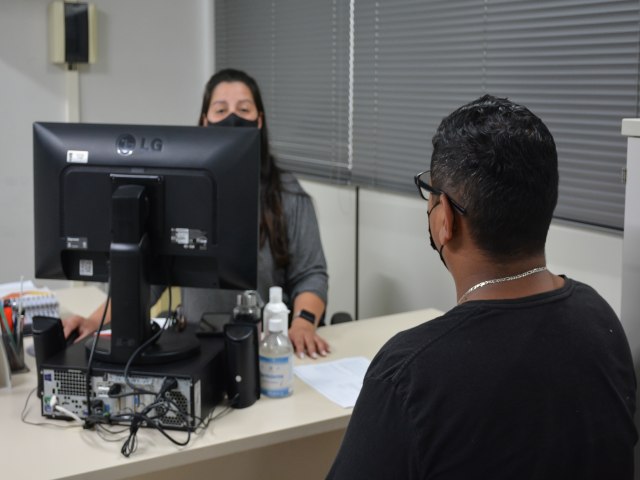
81, 324
305, 340
85, 326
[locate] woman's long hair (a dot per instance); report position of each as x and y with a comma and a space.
272, 222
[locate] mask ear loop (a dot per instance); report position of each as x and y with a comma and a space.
433, 245
429, 211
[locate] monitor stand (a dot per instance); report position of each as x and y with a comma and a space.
170, 347
130, 291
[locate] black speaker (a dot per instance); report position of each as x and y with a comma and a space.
72, 32
242, 373
76, 32
48, 339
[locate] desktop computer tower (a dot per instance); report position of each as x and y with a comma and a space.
199, 386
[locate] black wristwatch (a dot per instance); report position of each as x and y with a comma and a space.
307, 315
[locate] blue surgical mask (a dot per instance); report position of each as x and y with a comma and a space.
233, 120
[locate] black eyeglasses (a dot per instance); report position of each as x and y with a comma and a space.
423, 182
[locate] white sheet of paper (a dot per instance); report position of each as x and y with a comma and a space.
340, 380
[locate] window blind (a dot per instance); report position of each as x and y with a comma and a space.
298, 53
572, 62
414, 63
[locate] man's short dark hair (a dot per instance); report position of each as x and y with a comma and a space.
499, 161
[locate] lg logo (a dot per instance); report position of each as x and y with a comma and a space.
126, 144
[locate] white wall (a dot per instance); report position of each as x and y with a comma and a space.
30, 89
399, 270
336, 212
153, 59
591, 256
631, 256
631, 251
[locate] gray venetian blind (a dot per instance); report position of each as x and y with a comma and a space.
298, 52
414, 63
575, 64
572, 62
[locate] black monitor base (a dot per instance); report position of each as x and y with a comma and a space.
170, 347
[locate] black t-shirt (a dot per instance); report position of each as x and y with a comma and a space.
541, 387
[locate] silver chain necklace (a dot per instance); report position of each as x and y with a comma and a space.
500, 280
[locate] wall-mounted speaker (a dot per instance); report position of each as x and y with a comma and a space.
72, 32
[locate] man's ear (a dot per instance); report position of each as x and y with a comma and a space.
447, 217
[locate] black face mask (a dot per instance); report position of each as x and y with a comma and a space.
433, 244
233, 120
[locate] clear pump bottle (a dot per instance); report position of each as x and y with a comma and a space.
276, 359
275, 308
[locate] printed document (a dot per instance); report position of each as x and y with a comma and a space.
340, 380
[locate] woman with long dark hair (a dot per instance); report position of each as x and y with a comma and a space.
290, 254
290, 251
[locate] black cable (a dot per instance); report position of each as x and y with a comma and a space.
133, 356
103, 431
162, 403
140, 349
143, 418
204, 422
88, 423
131, 443
151, 415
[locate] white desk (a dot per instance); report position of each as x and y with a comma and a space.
300, 433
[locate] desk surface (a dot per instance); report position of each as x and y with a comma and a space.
53, 451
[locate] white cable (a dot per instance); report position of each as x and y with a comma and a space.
69, 413
61, 409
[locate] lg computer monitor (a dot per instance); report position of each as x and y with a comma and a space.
135, 205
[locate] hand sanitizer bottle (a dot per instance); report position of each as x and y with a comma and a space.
275, 308
276, 359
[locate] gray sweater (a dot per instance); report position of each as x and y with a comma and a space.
306, 272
